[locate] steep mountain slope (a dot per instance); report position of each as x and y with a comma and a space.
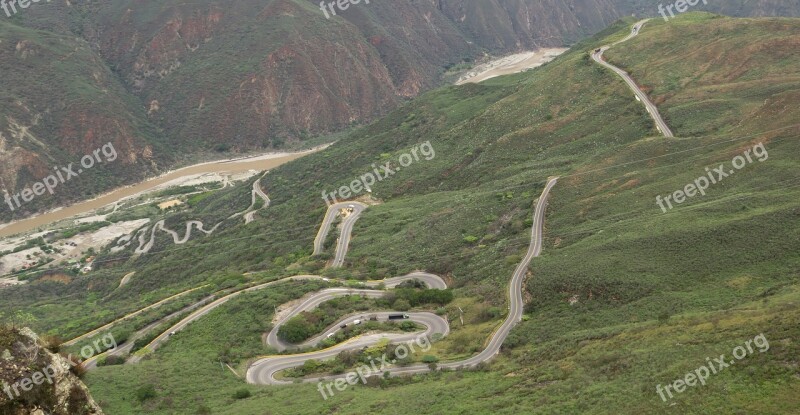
59, 103
296, 72
208, 75
625, 296
282, 71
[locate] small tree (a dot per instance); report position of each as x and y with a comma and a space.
146, 393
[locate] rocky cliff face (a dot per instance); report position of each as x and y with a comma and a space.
281, 70
59, 102
37, 381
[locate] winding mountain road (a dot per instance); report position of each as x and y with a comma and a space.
163, 337
145, 246
313, 301
347, 229
652, 109
250, 213
264, 371
433, 281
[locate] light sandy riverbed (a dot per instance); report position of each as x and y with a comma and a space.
510, 65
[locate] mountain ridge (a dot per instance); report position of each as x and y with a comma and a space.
282, 74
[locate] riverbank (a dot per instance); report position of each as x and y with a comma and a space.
177, 177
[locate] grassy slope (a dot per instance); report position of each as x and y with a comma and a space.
739, 77
723, 266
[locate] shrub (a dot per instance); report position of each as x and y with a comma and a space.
53, 343
430, 359
242, 394
146, 392
402, 305
112, 361
296, 330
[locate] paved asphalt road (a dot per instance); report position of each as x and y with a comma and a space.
313, 301
433, 281
131, 315
347, 229
264, 370
651, 108
163, 337
125, 349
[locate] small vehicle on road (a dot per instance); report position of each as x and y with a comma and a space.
357, 322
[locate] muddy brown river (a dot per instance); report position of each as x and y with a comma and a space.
227, 166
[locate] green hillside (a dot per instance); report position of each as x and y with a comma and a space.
625, 296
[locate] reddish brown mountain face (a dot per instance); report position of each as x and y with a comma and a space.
168, 82
283, 70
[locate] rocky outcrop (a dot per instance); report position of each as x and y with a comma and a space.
33, 380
